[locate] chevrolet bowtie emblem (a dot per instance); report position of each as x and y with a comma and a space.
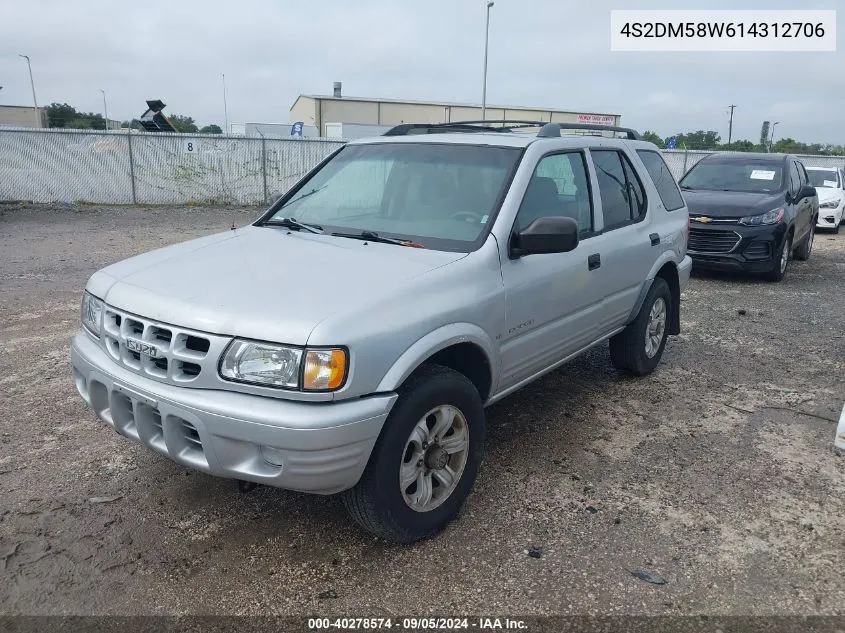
703, 219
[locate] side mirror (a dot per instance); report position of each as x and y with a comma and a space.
553, 234
807, 191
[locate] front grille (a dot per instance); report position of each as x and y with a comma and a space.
159, 351
712, 240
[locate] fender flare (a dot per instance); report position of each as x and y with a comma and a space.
435, 341
666, 258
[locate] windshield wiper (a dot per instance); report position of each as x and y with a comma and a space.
372, 236
304, 195
292, 223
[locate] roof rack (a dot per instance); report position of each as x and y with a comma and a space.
547, 129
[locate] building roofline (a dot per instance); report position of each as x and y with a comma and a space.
3, 105
444, 104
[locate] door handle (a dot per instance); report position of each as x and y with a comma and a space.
594, 261
655, 239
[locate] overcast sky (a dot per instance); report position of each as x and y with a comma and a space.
545, 53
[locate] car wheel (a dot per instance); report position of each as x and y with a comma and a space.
781, 260
426, 460
836, 228
638, 348
803, 252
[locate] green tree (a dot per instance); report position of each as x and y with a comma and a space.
182, 123
134, 124
60, 114
653, 137
740, 146
211, 129
699, 140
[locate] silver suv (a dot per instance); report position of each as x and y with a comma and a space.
350, 339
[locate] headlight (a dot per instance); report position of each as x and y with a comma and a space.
830, 204
771, 217
282, 365
92, 312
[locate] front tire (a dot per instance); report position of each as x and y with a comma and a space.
781, 260
802, 253
638, 348
426, 460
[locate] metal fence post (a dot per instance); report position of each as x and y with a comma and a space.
131, 165
264, 165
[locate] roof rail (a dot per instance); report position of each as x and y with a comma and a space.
547, 129
507, 125
554, 129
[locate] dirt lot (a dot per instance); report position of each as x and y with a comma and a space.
717, 472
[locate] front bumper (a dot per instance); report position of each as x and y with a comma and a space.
830, 218
755, 251
320, 447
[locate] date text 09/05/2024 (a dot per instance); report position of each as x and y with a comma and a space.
417, 624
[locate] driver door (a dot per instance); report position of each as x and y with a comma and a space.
551, 300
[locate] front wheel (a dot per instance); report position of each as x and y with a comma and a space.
425, 461
781, 260
802, 253
638, 348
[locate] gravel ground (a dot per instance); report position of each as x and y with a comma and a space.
717, 472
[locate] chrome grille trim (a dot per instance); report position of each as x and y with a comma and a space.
168, 353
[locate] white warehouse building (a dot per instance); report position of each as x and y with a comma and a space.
350, 117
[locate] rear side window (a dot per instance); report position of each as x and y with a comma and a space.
663, 180
622, 197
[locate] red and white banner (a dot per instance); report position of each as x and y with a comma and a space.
597, 119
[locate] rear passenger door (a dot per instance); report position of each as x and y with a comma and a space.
629, 245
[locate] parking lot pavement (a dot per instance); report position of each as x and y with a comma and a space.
717, 472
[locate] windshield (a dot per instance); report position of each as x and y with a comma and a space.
441, 196
751, 176
824, 178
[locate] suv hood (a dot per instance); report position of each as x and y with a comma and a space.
731, 204
260, 282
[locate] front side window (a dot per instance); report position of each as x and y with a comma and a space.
440, 195
746, 175
794, 178
558, 187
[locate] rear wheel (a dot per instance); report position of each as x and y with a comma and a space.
425, 461
781, 260
803, 252
638, 348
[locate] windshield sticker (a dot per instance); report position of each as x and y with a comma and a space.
761, 174
830, 183
483, 219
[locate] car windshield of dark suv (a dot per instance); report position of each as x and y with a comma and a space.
438, 195
824, 178
735, 175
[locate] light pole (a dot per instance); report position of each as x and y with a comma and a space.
772, 141
731, 124
486, 41
32, 83
105, 108
225, 109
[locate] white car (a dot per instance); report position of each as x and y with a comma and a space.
830, 185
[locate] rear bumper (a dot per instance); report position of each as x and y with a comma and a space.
320, 447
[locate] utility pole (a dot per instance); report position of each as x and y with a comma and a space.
731, 124
38, 122
486, 41
225, 109
105, 108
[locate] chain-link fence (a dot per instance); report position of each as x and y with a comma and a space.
145, 168
153, 168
